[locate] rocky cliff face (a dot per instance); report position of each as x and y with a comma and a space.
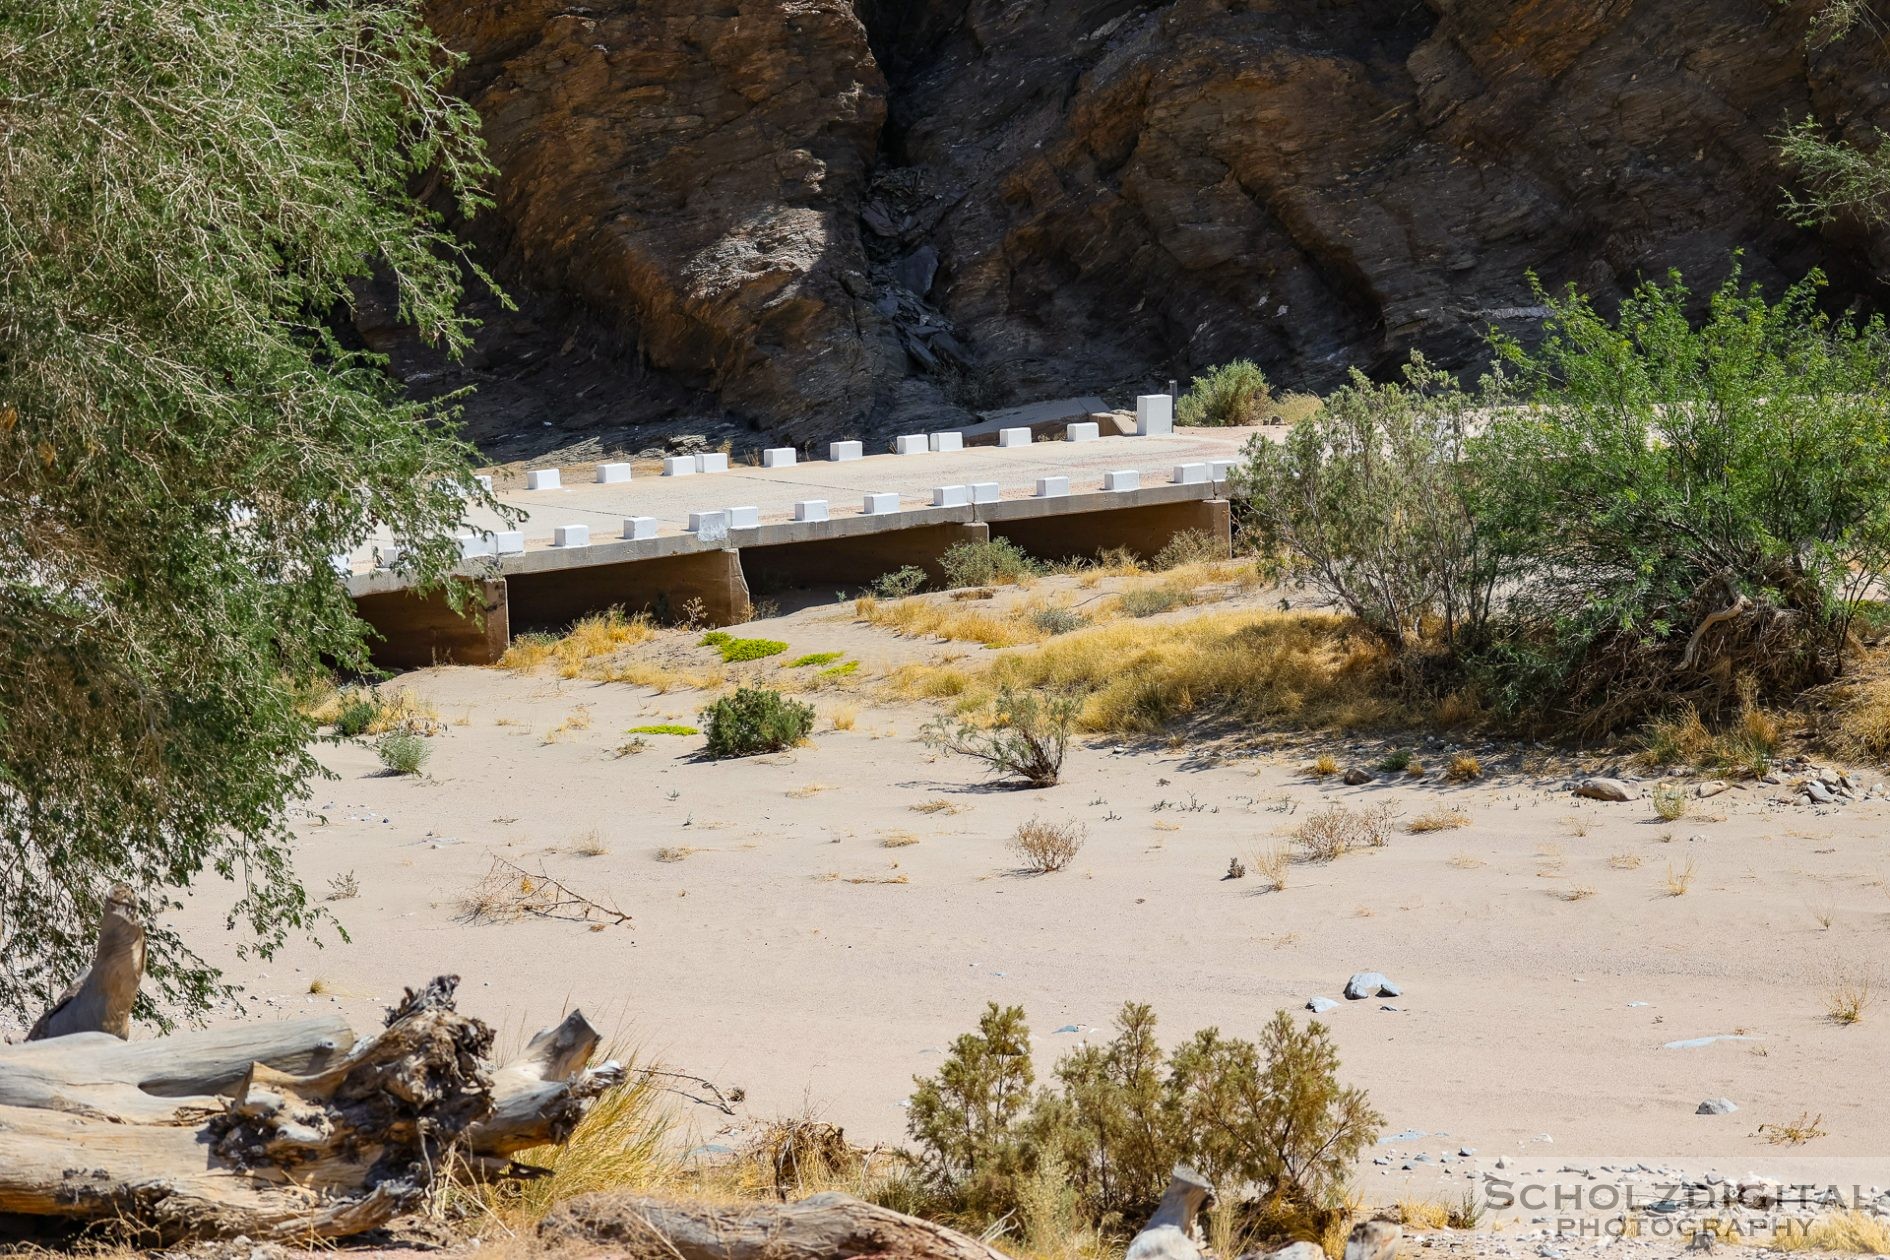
830, 217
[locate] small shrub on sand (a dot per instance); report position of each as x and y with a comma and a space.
403, 752
354, 712
1271, 865
1153, 600
1624, 862
1438, 820
844, 717
815, 658
755, 720
1679, 879
1797, 1132
663, 728
993, 562
601, 634
1850, 1232
1234, 394
1848, 999
1397, 761
1742, 747
901, 582
1028, 736
897, 840
1190, 546
1337, 830
1324, 766
1057, 620
1045, 846
735, 651
842, 670
1463, 768
1670, 801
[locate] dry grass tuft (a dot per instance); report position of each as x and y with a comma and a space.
1624, 862
1465, 861
1577, 892
590, 844
674, 852
1324, 766
1853, 1232
596, 636
1044, 847
937, 805
1439, 820
1679, 879
1427, 1214
1272, 865
807, 790
897, 840
1798, 1132
844, 717
1463, 768
1671, 802
1848, 999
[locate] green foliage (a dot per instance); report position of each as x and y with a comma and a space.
1396, 761
815, 658
734, 650
1234, 393
1058, 620
901, 582
987, 563
1190, 546
755, 720
403, 752
663, 728
1153, 600
1028, 735
1695, 504
1267, 1115
355, 711
192, 191
1842, 180
841, 670
1366, 500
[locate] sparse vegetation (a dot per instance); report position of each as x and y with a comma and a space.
1671, 801
343, 887
403, 752
815, 658
1271, 865
1679, 879
992, 562
1397, 761
1848, 999
662, 728
1153, 599
1057, 620
1044, 847
1028, 735
1806, 1128
901, 582
1624, 862
735, 651
589, 639
1324, 766
1446, 819
1463, 768
936, 805
1851, 1231
1235, 394
754, 720
1188, 547
1333, 832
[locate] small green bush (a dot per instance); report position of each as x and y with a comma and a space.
901, 582
1028, 736
1058, 620
840, 671
1232, 394
1190, 546
403, 752
988, 563
815, 658
663, 728
1397, 761
736, 650
356, 713
1148, 601
755, 720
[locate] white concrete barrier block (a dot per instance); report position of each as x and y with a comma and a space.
1154, 415
837, 451
1052, 487
341, 562
1122, 479
951, 496
949, 441
1190, 475
639, 527
811, 510
1087, 431
543, 479
984, 492
1014, 437
778, 457
911, 444
388, 555
743, 517
881, 504
571, 536
509, 542
485, 482
1218, 469
709, 526
679, 466
473, 547
712, 462
612, 474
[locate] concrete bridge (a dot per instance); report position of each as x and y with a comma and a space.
693, 534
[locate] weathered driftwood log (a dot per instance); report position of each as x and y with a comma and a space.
100, 1000
286, 1131
1169, 1234
824, 1227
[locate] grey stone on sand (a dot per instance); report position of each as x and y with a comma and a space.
1365, 984
1320, 1005
1373, 1240
1716, 1107
1604, 790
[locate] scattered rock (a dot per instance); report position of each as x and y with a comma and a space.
1365, 984
1373, 1240
1294, 1251
1604, 790
1711, 788
1817, 792
1716, 1107
1355, 777
1320, 1005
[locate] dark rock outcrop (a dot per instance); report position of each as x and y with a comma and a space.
827, 217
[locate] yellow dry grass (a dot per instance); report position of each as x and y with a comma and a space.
602, 634
1279, 668
1852, 1232
1438, 820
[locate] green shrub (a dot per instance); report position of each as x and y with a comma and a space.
1397, 761
734, 650
755, 720
815, 658
1269, 1114
1029, 734
1234, 393
356, 712
403, 752
663, 728
1058, 620
1150, 601
1190, 546
989, 563
840, 671
901, 582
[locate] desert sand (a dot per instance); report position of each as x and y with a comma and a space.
817, 938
